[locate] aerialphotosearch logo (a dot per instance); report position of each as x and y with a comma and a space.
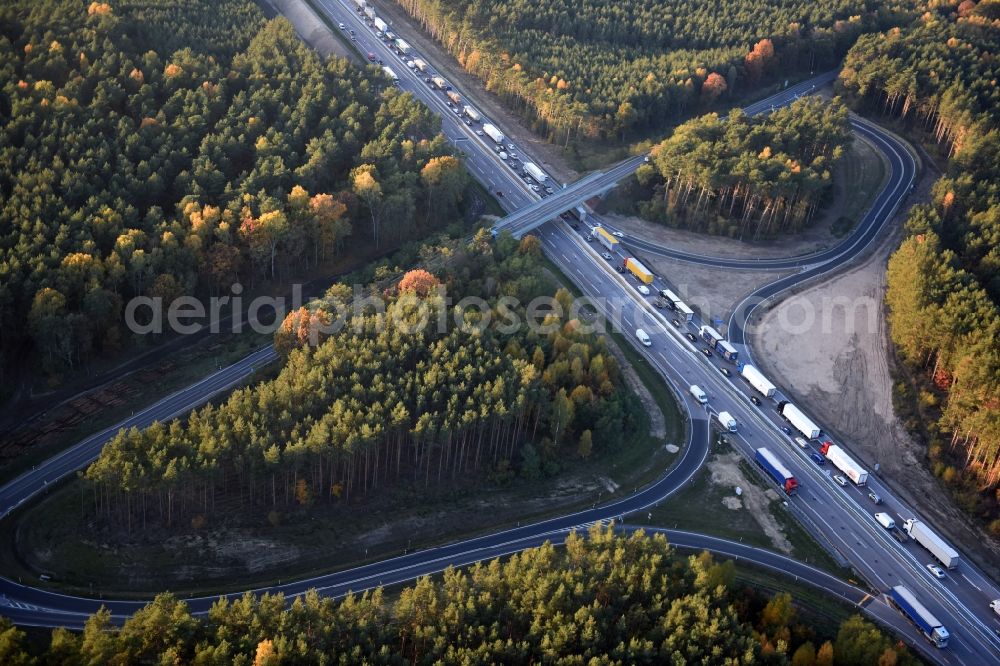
410, 313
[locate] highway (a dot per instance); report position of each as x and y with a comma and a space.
837, 515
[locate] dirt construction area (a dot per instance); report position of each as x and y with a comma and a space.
837, 328
840, 368
726, 472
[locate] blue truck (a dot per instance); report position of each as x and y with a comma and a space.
929, 626
770, 464
718, 343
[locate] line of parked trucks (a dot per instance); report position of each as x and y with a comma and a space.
912, 528
900, 596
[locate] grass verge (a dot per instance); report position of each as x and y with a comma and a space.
699, 507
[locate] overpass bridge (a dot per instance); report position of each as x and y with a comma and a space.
525, 219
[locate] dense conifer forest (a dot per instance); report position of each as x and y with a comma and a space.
597, 69
938, 79
391, 397
163, 148
741, 176
603, 599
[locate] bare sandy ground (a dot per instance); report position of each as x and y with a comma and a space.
726, 472
828, 347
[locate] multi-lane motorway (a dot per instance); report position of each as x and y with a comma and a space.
840, 516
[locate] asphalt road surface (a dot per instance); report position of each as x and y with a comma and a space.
839, 516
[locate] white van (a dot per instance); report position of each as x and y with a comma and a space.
698, 394
885, 520
643, 338
727, 421
801, 442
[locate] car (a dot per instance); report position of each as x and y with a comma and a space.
801, 442
457, 111
874, 497
590, 238
690, 336
786, 430
549, 190
468, 122
707, 352
936, 571
527, 179
352, 31
620, 268
841, 481
618, 234
676, 323
726, 372
343, 27
659, 303
428, 79
817, 457
371, 56
512, 154
643, 289
510, 146
995, 605
755, 400
353, 38
606, 256
535, 188
381, 62
480, 132
645, 159
499, 193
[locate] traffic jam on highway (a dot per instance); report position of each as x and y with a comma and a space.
491, 137
754, 397
802, 435
800, 431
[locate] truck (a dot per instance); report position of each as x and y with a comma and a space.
845, 463
370, 13
473, 115
532, 170
439, 83
380, 25
710, 335
670, 298
938, 547
493, 133
757, 380
801, 422
453, 97
728, 351
403, 46
770, 464
686, 313
420, 64
727, 421
606, 239
918, 614
361, 4
635, 267
391, 74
